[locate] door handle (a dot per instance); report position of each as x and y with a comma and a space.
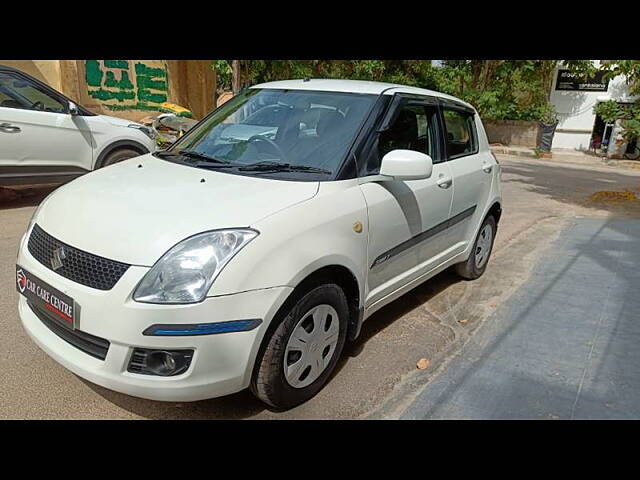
444, 182
487, 168
7, 127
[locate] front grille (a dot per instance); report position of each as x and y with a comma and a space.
77, 265
90, 344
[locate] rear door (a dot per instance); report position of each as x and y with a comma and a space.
471, 169
37, 133
407, 219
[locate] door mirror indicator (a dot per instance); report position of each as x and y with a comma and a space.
406, 165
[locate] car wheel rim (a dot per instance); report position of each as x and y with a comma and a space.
311, 346
483, 246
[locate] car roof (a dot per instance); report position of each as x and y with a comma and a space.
354, 86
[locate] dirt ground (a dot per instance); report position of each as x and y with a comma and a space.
377, 375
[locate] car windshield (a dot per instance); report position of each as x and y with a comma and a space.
292, 133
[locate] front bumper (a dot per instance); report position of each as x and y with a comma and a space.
222, 364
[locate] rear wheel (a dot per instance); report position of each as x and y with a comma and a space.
304, 349
118, 155
476, 264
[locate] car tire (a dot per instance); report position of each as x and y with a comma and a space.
118, 155
477, 262
286, 373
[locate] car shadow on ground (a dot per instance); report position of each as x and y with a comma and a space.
243, 404
24, 196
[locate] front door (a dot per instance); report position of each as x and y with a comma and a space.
36, 131
407, 219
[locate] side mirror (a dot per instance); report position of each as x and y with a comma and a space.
73, 109
406, 165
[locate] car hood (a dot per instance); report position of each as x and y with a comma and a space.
118, 122
134, 211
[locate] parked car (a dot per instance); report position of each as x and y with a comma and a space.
228, 262
47, 138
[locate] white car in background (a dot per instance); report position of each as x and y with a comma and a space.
47, 138
231, 261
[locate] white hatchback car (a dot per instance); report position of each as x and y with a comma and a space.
249, 252
46, 138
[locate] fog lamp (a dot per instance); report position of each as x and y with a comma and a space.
164, 363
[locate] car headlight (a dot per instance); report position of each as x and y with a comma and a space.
186, 272
149, 132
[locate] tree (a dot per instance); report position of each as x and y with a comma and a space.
236, 79
499, 89
629, 68
628, 114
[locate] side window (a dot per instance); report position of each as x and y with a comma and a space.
410, 131
18, 92
461, 138
414, 128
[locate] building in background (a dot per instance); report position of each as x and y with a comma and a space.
131, 89
574, 100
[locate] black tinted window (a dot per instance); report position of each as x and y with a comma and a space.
412, 129
460, 133
17, 92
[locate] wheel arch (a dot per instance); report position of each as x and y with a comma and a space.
496, 211
341, 276
117, 145
338, 274
345, 278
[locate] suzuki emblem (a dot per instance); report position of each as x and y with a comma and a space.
56, 259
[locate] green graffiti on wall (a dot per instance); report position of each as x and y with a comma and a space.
110, 81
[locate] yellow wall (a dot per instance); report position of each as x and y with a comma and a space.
47, 71
130, 89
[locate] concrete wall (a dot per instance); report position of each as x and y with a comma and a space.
192, 84
575, 112
130, 89
47, 71
513, 132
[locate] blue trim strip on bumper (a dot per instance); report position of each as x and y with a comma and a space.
171, 330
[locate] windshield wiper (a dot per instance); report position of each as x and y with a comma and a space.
201, 156
164, 153
206, 162
282, 167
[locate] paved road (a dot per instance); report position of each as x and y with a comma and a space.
378, 375
564, 346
